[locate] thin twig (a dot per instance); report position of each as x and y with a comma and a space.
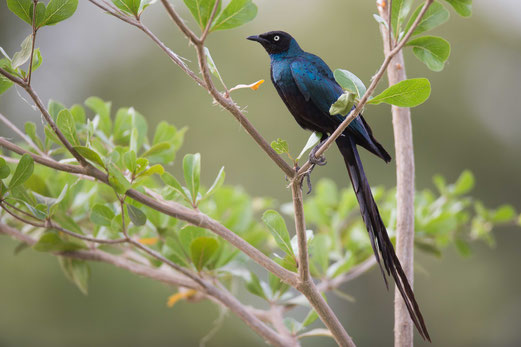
46, 115
35, 2
21, 134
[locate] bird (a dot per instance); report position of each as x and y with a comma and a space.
306, 84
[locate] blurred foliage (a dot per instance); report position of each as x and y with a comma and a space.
338, 240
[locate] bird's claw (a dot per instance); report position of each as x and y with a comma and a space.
320, 161
307, 176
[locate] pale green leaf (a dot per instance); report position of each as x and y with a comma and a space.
435, 15
462, 7
277, 226
23, 171
238, 12
433, 51
202, 249
59, 10
407, 93
22, 56
192, 173
350, 82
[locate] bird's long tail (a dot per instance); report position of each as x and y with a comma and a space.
382, 246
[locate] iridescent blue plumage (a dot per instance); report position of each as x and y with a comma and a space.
306, 85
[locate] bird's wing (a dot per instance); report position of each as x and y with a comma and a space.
315, 81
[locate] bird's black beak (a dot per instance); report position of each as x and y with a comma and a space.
256, 38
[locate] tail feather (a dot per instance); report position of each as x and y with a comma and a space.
382, 245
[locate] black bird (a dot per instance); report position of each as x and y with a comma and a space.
307, 86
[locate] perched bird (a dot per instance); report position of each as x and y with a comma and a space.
307, 86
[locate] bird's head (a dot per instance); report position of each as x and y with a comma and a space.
275, 42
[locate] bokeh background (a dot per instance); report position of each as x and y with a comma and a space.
472, 121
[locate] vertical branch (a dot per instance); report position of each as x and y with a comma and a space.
306, 285
403, 143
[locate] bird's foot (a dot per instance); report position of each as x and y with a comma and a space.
320, 161
307, 176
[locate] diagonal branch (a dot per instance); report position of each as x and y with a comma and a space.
46, 115
26, 138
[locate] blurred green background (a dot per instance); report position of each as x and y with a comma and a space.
472, 121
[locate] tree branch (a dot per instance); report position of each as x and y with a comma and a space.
170, 278
173, 209
403, 143
26, 138
46, 115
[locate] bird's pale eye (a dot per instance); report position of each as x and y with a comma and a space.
276, 38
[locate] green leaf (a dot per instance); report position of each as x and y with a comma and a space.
117, 180
129, 158
238, 12
435, 15
102, 109
201, 10
462, 7
66, 124
277, 226
5, 84
407, 93
433, 51
101, 215
154, 169
217, 183
77, 271
37, 58
464, 184
192, 173
59, 10
21, 57
21, 9
54, 107
78, 113
23, 171
202, 249
40, 13
136, 215
313, 139
4, 169
504, 214
319, 249
254, 286
128, 6
310, 318
51, 242
280, 146
89, 154
343, 104
30, 130
211, 64
400, 10
170, 180
350, 82
157, 148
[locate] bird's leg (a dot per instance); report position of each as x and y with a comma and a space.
320, 161
307, 175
